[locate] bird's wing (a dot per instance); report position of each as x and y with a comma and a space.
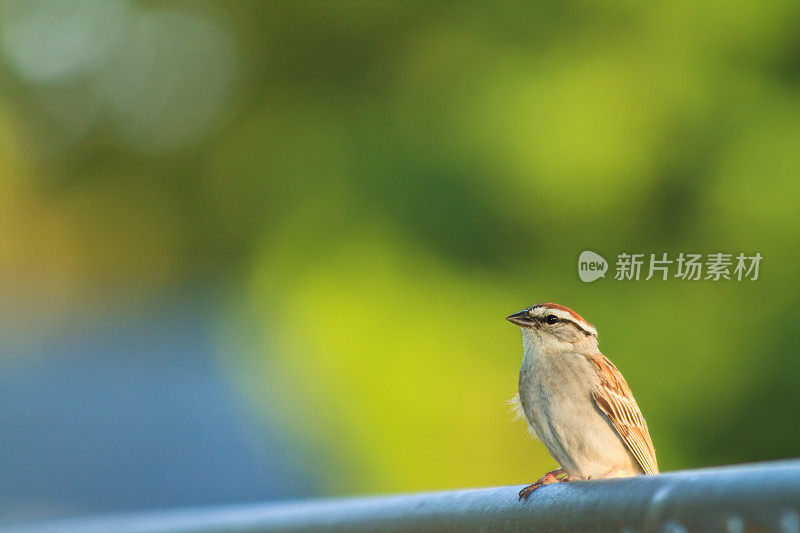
615, 399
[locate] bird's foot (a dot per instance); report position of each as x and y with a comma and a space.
548, 478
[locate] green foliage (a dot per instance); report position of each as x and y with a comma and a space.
382, 183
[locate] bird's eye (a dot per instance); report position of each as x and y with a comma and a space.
551, 319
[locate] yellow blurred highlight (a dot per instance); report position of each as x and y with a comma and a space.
400, 360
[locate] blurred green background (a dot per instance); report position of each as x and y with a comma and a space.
368, 188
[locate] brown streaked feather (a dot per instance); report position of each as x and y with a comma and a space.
615, 399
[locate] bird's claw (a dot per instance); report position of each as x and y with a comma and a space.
546, 479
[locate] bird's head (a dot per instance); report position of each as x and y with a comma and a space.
547, 324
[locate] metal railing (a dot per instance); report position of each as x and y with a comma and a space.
757, 497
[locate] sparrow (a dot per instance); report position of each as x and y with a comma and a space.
577, 402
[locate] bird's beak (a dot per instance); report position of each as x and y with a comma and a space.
522, 319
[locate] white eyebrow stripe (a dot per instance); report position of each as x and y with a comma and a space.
564, 315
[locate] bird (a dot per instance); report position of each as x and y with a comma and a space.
577, 402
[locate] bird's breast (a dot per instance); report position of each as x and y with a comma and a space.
556, 397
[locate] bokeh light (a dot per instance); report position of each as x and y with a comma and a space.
320, 214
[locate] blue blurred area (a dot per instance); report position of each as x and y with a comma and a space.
132, 416
370, 188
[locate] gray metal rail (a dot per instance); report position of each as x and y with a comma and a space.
758, 497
